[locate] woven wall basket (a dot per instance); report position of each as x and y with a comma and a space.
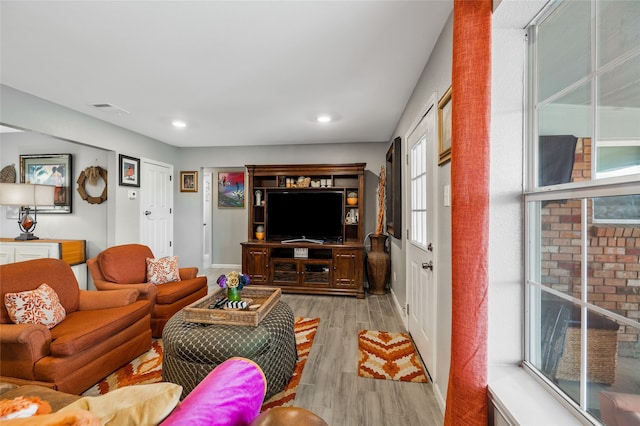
8, 174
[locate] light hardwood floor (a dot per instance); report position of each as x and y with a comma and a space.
330, 386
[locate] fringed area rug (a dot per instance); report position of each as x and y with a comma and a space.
305, 329
147, 368
390, 356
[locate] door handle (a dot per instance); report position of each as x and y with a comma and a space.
147, 212
428, 265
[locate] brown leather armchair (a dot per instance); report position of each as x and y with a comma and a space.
100, 332
125, 266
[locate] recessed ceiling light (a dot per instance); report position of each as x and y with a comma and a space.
179, 124
323, 118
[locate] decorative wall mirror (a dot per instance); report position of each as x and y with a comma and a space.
393, 202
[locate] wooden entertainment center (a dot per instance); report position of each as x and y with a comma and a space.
298, 266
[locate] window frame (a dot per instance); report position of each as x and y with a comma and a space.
533, 194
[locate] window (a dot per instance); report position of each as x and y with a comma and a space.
582, 201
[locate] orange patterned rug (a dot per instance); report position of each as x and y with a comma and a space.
390, 356
147, 368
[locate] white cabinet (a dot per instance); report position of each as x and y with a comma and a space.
72, 252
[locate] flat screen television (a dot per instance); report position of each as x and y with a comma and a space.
305, 215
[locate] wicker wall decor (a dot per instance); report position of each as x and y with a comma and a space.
8, 174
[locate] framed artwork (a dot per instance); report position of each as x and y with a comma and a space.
129, 171
393, 200
230, 189
188, 181
50, 169
444, 128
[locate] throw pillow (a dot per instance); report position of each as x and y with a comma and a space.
231, 394
39, 306
163, 270
21, 407
131, 405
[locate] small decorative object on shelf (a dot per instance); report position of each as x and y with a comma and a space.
258, 197
259, 232
234, 283
352, 198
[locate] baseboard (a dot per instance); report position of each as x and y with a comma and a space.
401, 312
441, 399
226, 266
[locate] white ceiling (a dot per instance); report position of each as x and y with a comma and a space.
237, 72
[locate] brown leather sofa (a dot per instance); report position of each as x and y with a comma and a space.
125, 266
100, 332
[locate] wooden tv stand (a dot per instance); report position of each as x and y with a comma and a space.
299, 266
328, 268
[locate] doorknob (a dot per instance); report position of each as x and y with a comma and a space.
428, 265
147, 212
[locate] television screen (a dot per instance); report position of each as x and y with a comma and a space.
315, 215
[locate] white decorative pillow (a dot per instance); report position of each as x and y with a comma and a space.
39, 306
163, 270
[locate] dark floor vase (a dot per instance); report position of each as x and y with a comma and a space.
378, 264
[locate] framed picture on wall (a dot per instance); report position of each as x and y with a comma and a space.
231, 189
129, 171
188, 181
50, 169
444, 128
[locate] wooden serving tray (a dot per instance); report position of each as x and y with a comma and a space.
199, 310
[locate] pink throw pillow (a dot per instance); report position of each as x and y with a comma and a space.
230, 395
39, 306
163, 270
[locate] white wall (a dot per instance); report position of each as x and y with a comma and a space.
86, 221
435, 78
21, 110
506, 267
121, 224
230, 225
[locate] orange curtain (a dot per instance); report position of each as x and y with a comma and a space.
471, 107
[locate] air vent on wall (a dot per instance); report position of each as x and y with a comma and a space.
110, 108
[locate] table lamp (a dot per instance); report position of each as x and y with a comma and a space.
25, 195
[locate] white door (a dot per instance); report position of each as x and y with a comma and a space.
421, 292
156, 204
206, 220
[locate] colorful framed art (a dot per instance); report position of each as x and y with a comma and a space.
231, 189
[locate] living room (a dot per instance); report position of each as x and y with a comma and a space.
56, 129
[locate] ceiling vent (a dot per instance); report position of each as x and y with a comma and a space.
110, 108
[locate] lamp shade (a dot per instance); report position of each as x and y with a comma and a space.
23, 194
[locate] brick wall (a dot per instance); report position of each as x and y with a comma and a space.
613, 275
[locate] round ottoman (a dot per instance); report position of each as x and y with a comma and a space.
192, 350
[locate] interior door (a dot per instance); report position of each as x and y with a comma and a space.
156, 204
421, 291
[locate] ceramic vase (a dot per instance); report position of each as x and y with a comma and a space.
378, 264
233, 294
